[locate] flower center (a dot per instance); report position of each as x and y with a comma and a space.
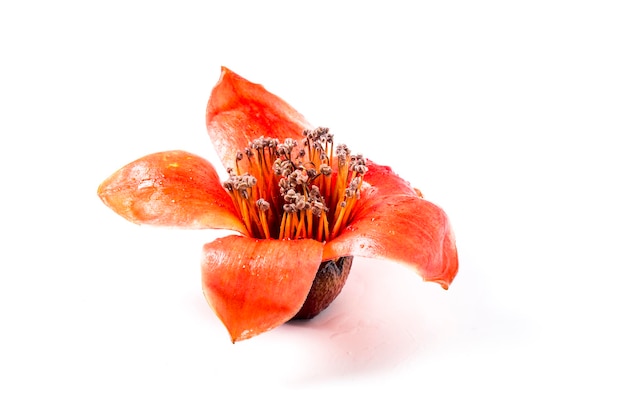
286, 191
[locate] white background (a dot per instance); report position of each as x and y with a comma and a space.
510, 115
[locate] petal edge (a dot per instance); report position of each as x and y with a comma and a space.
256, 285
402, 228
173, 188
240, 111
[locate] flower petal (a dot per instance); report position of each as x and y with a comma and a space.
387, 181
402, 228
240, 111
174, 188
256, 285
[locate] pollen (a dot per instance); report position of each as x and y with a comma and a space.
296, 189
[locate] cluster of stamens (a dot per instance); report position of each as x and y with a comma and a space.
287, 191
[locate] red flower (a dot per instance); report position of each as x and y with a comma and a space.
295, 198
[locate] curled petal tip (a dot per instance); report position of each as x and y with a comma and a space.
240, 111
444, 284
249, 291
404, 228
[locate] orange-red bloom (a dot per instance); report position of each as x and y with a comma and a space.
295, 198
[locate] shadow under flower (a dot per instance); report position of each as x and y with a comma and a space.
373, 326
386, 318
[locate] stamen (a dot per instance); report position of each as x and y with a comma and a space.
238, 158
291, 191
263, 207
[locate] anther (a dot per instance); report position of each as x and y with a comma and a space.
290, 196
360, 169
342, 153
299, 176
325, 170
314, 192
262, 204
300, 203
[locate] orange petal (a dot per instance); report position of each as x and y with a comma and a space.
240, 111
387, 181
402, 228
174, 188
256, 285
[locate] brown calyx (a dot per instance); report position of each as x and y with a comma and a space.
329, 280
